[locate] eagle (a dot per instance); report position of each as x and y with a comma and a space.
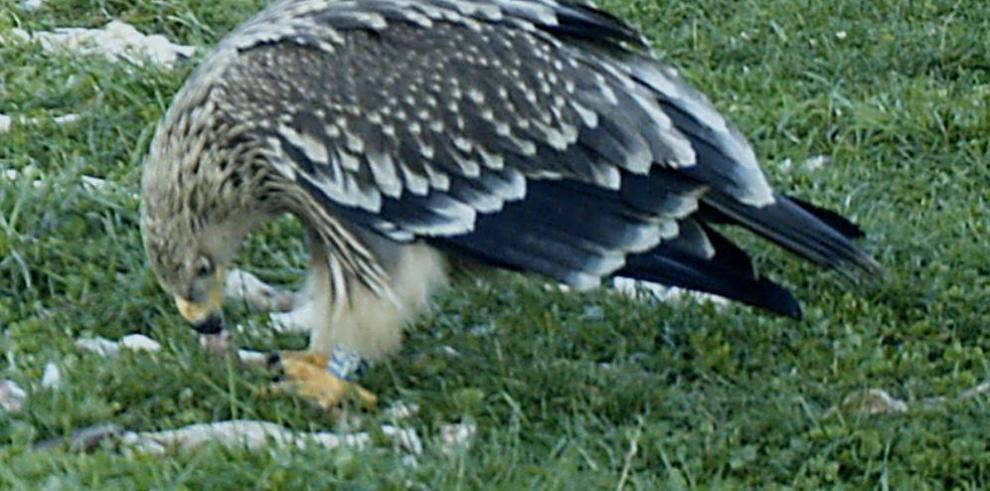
414, 138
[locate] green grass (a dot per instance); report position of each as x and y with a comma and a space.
559, 385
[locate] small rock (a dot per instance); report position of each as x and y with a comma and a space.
331, 440
14, 174
215, 344
252, 357
644, 289
980, 389
65, 119
404, 438
248, 434
88, 438
817, 162
240, 285
12, 396
84, 439
6, 122
52, 376
91, 182
455, 437
136, 442
105, 347
98, 345
140, 342
875, 401
593, 313
290, 322
115, 41
401, 410
481, 330
31, 5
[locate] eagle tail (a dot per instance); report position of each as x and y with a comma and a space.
816, 234
728, 273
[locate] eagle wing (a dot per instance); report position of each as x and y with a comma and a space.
529, 134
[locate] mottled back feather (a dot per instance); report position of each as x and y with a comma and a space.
535, 135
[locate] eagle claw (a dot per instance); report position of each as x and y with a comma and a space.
305, 374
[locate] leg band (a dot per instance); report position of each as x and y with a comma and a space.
345, 364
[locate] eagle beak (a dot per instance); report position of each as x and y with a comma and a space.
205, 317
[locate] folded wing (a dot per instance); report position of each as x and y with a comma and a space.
528, 134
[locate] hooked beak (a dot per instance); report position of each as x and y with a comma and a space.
205, 317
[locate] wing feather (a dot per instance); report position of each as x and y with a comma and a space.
532, 134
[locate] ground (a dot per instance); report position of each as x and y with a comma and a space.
568, 391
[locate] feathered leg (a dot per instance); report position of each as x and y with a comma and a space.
348, 323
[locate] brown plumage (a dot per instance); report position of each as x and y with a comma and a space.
532, 135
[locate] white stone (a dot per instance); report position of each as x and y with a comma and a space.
816, 162
249, 434
458, 436
404, 438
875, 401
115, 41
252, 357
98, 345
7, 121
240, 285
140, 342
31, 5
637, 289
401, 410
290, 322
93, 182
51, 378
105, 347
12, 396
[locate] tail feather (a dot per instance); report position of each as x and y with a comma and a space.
815, 234
831, 218
729, 273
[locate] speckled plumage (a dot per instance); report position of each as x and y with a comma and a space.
532, 135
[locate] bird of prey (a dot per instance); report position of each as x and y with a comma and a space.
413, 136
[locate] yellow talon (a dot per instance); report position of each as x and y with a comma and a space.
306, 375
